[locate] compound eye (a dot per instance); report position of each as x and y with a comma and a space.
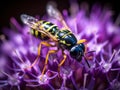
82, 46
74, 52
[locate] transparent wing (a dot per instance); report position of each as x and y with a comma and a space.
28, 20
55, 13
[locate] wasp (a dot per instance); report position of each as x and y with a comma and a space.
63, 38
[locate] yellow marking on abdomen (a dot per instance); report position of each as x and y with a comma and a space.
45, 23
32, 32
36, 33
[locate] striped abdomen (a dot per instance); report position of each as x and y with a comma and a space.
49, 27
44, 25
38, 34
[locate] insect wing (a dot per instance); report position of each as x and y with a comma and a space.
28, 20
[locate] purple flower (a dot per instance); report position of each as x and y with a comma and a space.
41, 79
21, 68
12, 80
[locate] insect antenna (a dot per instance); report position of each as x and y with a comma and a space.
86, 60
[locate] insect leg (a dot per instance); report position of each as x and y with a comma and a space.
86, 60
46, 60
62, 62
39, 51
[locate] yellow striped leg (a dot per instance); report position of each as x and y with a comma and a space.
46, 60
39, 51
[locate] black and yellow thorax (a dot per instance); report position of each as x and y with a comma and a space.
66, 39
